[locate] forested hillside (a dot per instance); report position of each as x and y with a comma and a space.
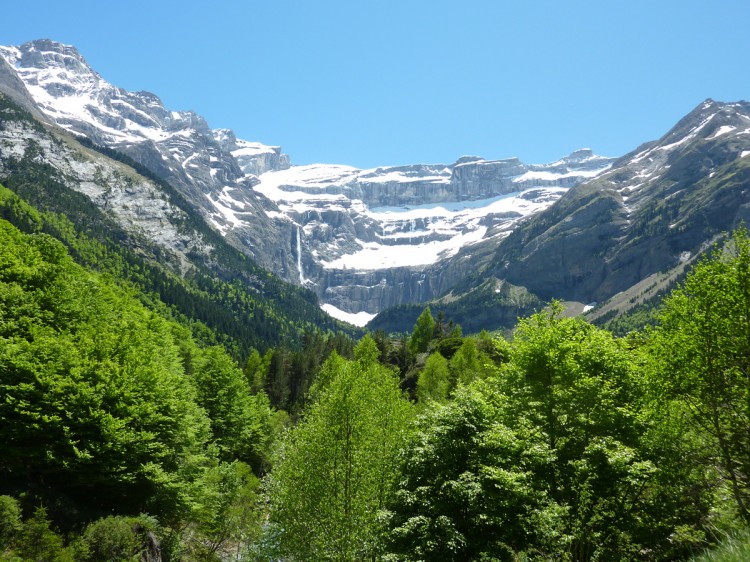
241, 305
108, 408
128, 437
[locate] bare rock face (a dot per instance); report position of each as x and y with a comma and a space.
253, 158
13, 87
655, 207
135, 202
178, 146
372, 239
363, 240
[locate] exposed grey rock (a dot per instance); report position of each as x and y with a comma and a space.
13, 86
652, 208
306, 242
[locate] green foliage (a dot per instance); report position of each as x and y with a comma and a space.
98, 408
465, 491
423, 332
434, 381
227, 511
10, 521
576, 384
701, 359
733, 548
545, 458
120, 539
37, 541
240, 422
91, 379
468, 364
256, 370
448, 347
336, 467
289, 374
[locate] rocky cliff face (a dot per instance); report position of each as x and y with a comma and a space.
372, 239
137, 204
178, 146
655, 207
253, 158
361, 239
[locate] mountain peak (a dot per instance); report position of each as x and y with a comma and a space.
706, 119
46, 53
581, 153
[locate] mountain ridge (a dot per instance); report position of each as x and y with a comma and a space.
655, 209
227, 179
582, 228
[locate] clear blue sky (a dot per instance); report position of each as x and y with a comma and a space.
371, 83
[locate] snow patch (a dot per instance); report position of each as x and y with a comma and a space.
359, 319
723, 130
552, 176
381, 256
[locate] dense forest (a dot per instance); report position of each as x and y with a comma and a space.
138, 428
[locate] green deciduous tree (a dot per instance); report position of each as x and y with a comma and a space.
335, 470
575, 383
434, 382
95, 405
544, 458
423, 332
468, 364
701, 357
466, 490
120, 538
10, 521
240, 421
227, 511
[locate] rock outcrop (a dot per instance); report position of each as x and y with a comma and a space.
655, 207
361, 239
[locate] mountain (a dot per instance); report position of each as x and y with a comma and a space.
656, 207
636, 226
362, 240
178, 146
482, 240
118, 218
373, 239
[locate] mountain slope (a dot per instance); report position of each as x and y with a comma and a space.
178, 146
362, 240
140, 229
655, 210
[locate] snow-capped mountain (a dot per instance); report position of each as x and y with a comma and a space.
654, 209
363, 240
179, 146
617, 240
373, 236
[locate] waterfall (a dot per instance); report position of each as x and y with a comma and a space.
299, 259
